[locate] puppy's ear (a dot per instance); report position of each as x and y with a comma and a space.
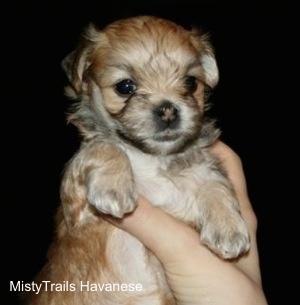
207, 57
76, 64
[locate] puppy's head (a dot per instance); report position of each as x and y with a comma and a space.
142, 79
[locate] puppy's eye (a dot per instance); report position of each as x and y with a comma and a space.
125, 87
191, 83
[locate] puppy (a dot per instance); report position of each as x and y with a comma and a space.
139, 87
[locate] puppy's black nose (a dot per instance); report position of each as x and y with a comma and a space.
166, 115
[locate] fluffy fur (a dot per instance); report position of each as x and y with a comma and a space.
139, 86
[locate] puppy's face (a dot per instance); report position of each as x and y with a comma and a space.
151, 75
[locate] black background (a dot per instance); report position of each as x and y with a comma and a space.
255, 103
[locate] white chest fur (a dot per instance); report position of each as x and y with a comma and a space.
172, 182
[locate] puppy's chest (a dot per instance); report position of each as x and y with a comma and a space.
168, 180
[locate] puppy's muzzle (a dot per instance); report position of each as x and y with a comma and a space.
166, 116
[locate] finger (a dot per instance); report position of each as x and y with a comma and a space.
165, 236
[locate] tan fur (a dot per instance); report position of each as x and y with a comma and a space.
150, 140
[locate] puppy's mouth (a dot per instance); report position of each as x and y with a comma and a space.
167, 135
167, 129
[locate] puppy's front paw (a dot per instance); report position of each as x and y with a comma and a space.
226, 236
114, 195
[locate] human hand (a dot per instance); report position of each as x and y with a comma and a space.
194, 273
